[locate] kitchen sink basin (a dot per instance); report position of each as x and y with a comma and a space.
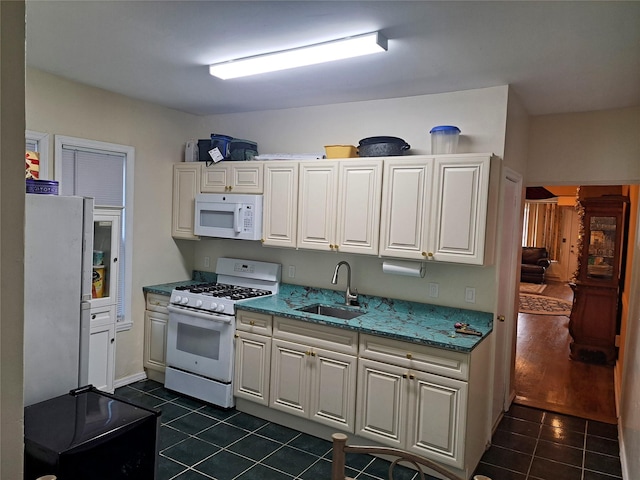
329, 311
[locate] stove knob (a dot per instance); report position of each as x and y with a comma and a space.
198, 303
214, 305
220, 308
184, 301
177, 299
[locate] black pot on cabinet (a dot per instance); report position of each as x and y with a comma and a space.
382, 147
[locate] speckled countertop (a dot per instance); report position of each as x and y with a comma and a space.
407, 321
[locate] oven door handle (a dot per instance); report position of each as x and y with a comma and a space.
204, 316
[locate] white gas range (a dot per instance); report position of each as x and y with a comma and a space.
200, 349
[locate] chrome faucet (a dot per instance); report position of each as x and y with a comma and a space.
349, 297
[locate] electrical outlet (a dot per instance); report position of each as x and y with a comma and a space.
470, 295
207, 262
292, 271
433, 290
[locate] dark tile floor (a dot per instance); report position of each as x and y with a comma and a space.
201, 442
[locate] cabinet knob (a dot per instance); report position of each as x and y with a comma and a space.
236, 336
404, 375
252, 323
412, 376
409, 355
501, 318
115, 260
93, 317
313, 354
262, 240
113, 340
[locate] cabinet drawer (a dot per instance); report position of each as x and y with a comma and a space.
103, 316
316, 335
254, 322
418, 357
157, 302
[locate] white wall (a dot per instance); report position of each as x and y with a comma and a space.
12, 126
585, 148
58, 106
480, 114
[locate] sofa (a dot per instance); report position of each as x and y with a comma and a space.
535, 261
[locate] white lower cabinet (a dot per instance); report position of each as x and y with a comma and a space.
102, 347
313, 383
156, 319
412, 410
422, 399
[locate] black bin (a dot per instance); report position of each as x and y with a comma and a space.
89, 434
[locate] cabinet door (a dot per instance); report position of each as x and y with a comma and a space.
406, 200
317, 205
106, 239
186, 184
155, 340
215, 179
280, 214
102, 336
229, 176
290, 379
382, 403
437, 418
252, 367
333, 389
359, 187
460, 216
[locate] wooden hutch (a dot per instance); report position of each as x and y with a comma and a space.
595, 315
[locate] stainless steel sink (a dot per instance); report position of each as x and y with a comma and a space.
329, 311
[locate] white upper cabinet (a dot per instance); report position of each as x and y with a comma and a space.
406, 206
436, 208
317, 205
339, 205
232, 177
186, 184
280, 207
461, 187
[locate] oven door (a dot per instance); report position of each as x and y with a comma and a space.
201, 343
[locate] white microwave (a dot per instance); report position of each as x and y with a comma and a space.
228, 215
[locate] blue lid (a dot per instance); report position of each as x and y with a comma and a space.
446, 129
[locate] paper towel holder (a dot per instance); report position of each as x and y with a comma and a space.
404, 267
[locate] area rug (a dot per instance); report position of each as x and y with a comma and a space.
541, 305
532, 287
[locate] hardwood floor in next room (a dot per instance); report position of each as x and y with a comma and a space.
545, 376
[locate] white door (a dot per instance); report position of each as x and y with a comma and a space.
333, 388
504, 326
290, 378
317, 205
382, 402
253, 362
280, 215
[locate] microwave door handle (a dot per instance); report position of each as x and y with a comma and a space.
236, 219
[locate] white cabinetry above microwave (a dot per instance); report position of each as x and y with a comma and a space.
232, 177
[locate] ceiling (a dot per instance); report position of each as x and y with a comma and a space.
559, 56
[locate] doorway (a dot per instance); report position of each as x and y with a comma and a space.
545, 376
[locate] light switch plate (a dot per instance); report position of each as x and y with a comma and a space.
470, 295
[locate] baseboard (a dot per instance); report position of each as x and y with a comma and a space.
623, 455
136, 377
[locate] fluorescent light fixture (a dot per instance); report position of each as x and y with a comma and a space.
299, 57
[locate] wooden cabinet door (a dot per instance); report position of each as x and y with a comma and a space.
406, 200
280, 214
186, 184
333, 389
437, 418
317, 205
290, 379
252, 367
358, 216
382, 400
461, 192
215, 179
155, 340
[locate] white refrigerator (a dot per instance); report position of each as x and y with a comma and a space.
57, 294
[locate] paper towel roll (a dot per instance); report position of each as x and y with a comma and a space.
403, 267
